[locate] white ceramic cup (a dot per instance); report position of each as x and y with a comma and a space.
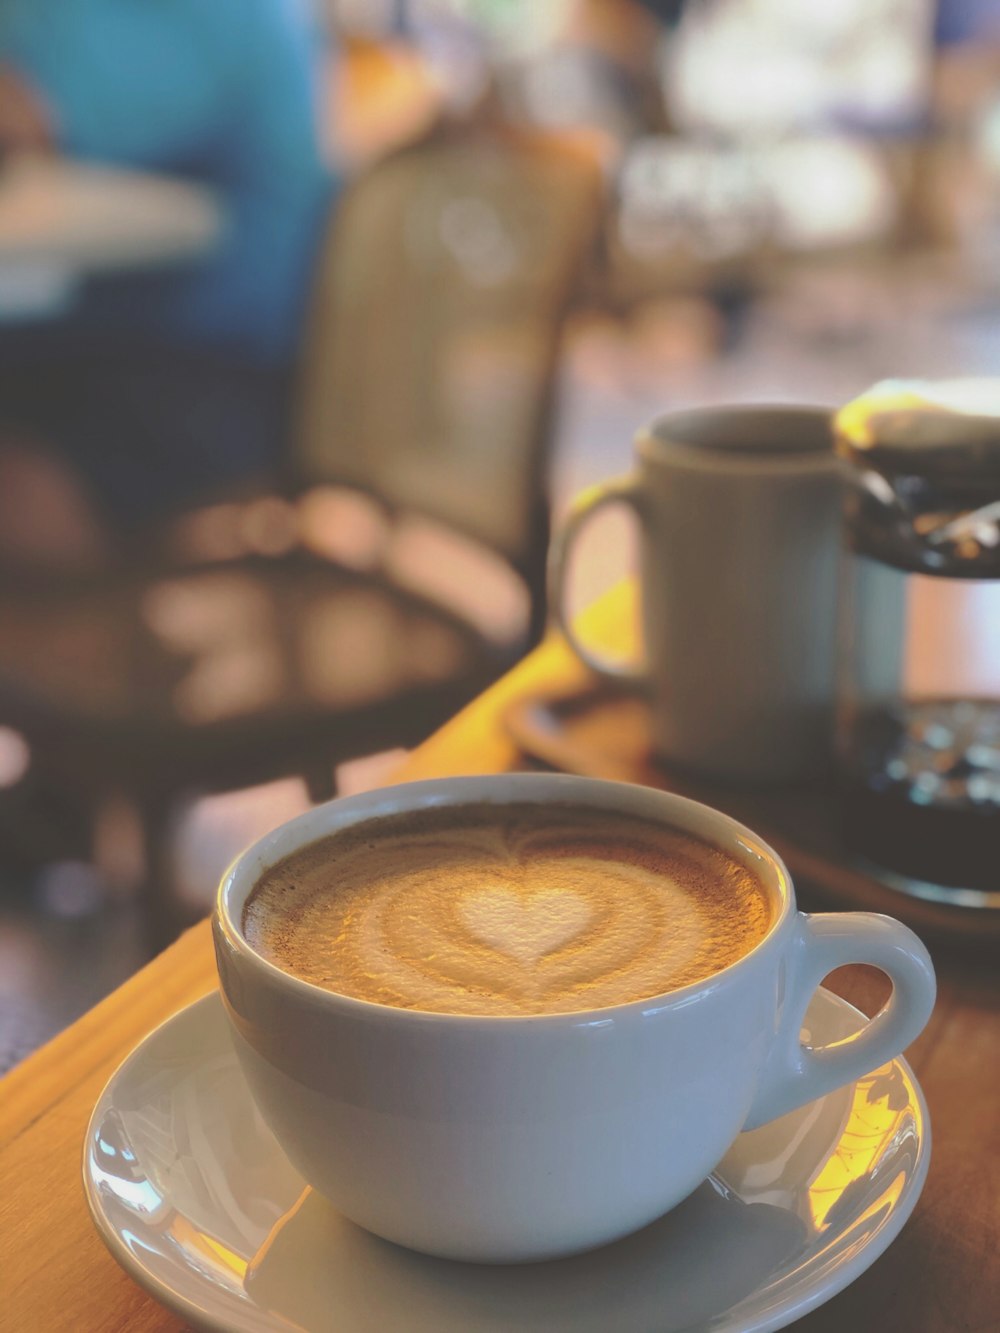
739, 510
509, 1139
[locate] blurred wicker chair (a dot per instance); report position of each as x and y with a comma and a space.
272, 642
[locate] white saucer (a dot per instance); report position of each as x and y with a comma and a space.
196, 1201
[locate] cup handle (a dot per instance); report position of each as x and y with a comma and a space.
796, 1074
623, 490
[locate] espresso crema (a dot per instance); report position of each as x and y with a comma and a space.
506, 910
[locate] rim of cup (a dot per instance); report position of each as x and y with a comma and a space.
743, 439
693, 817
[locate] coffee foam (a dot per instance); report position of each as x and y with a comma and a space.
506, 910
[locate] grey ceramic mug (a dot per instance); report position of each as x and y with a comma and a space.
740, 513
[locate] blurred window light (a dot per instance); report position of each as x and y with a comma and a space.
753, 67
827, 192
718, 202
709, 200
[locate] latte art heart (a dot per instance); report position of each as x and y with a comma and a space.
525, 928
506, 910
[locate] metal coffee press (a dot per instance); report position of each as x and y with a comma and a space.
918, 710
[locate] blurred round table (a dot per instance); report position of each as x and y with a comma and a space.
61, 221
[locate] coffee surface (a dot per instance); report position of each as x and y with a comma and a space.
506, 910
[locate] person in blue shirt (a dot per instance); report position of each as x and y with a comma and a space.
161, 388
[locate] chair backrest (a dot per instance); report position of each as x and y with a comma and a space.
428, 374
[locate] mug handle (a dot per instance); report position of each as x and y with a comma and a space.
795, 1074
622, 490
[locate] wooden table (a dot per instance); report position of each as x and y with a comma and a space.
62, 220
943, 1273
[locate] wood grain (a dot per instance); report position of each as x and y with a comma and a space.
942, 1274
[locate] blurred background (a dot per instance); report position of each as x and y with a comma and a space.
313, 318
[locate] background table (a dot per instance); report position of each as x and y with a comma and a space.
61, 221
943, 1273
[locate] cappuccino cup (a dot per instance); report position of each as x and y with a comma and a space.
498, 1078
740, 517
